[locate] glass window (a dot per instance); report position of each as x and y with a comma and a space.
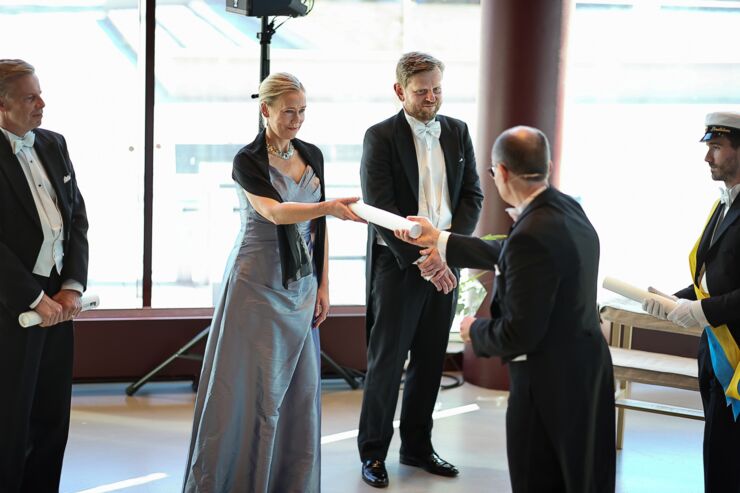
90, 81
634, 116
207, 68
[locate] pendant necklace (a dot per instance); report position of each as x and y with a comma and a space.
286, 154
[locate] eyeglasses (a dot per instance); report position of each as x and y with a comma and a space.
528, 176
492, 170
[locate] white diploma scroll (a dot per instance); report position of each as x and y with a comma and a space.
385, 219
31, 318
636, 294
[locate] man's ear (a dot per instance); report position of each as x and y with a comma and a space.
399, 91
503, 171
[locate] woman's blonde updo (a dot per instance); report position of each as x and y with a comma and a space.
277, 84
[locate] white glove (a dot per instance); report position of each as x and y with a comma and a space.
655, 307
685, 314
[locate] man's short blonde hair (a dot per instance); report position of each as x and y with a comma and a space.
10, 70
413, 63
277, 84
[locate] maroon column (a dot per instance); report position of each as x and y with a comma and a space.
522, 68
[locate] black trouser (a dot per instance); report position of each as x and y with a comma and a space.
545, 456
36, 368
408, 314
721, 431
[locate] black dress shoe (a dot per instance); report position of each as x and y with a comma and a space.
374, 473
431, 463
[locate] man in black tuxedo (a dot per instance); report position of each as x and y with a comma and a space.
43, 267
544, 323
713, 299
416, 162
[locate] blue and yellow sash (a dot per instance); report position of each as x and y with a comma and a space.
723, 349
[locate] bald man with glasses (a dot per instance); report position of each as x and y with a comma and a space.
544, 323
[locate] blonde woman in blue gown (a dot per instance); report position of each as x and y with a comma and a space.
257, 416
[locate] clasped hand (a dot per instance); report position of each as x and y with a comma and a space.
432, 268
436, 271
63, 306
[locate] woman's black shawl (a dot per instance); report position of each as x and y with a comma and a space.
251, 171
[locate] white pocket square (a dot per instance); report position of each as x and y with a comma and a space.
67, 178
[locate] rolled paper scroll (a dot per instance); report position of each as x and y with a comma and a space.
385, 219
636, 294
31, 318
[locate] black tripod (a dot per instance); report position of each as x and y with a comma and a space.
183, 353
265, 37
180, 353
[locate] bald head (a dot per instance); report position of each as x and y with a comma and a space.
524, 151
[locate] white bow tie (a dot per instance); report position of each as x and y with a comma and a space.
26, 141
431, 129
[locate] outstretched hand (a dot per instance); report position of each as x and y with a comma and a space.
428, 237
339, 208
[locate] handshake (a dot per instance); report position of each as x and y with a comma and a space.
686, 313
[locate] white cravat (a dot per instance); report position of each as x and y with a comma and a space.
726, 198
44, 197
728, 195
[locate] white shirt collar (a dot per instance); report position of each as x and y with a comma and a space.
515, 212
731, 193
10, 135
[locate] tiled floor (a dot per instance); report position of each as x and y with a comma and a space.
144, 439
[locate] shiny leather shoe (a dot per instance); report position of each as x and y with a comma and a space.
374, 473
432, 463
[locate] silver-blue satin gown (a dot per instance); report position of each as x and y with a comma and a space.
257, 413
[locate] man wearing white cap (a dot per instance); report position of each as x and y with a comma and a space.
713, 301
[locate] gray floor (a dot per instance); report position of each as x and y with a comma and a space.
139, 444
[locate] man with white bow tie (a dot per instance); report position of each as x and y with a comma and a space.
414, 163
712, 301
43, 267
